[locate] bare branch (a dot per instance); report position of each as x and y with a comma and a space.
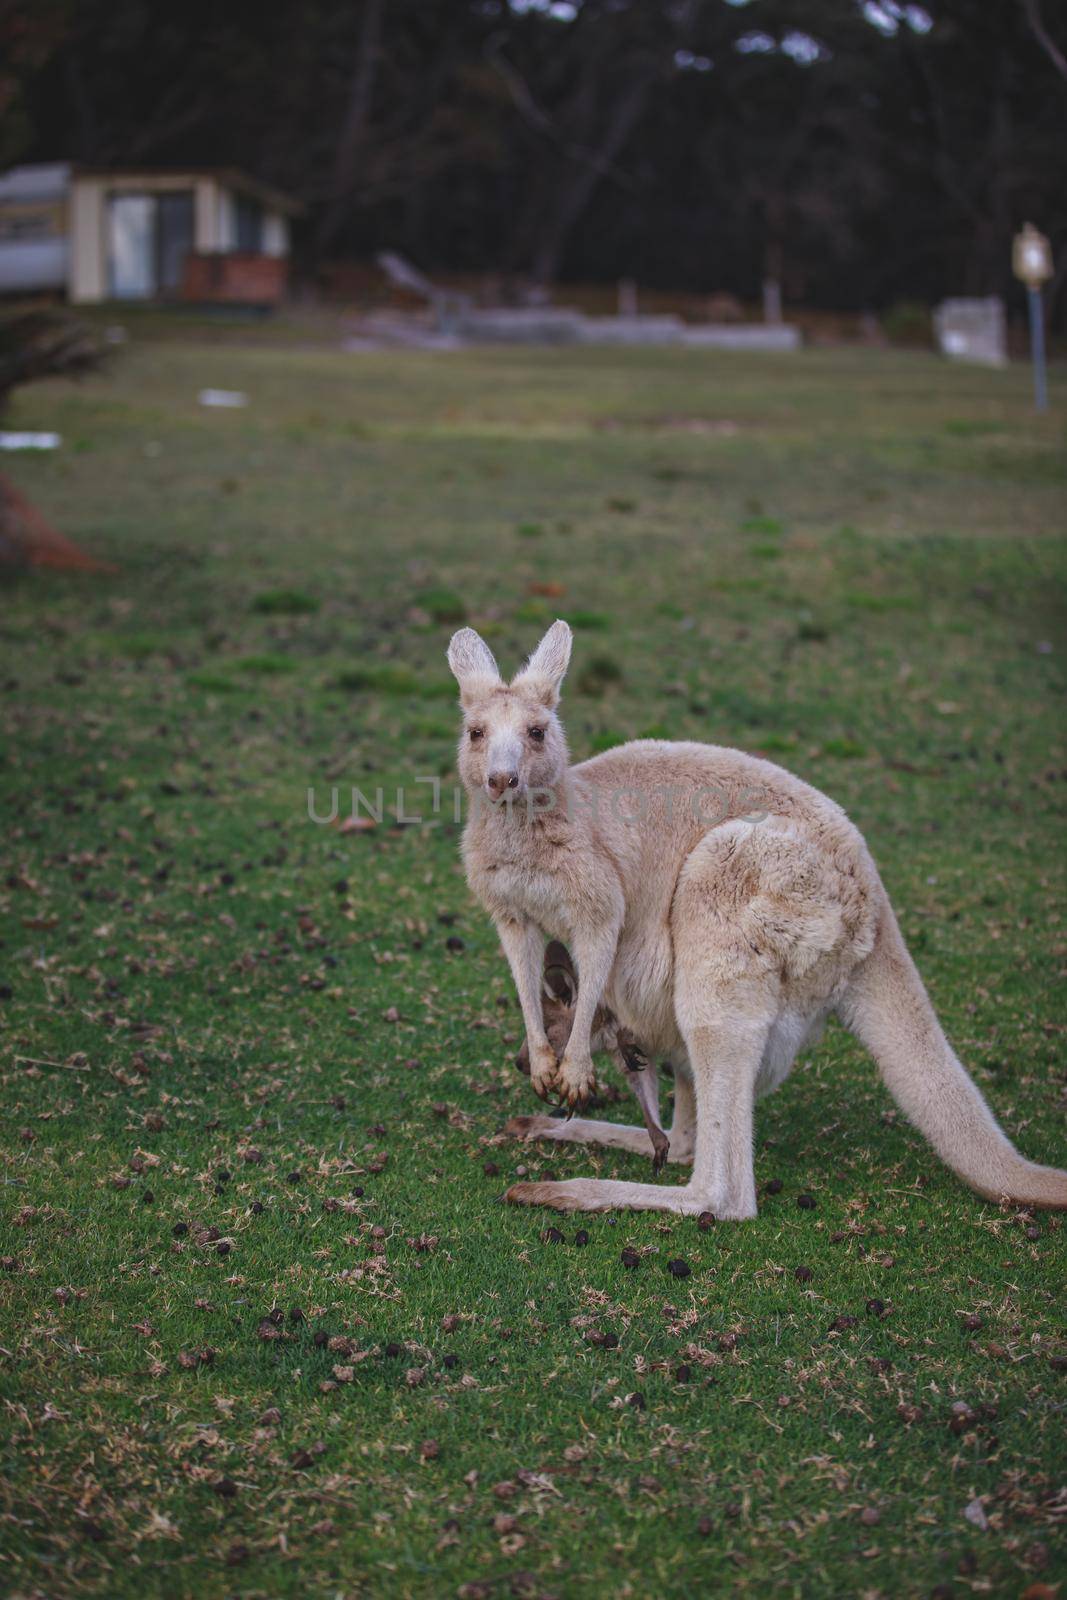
1048, 44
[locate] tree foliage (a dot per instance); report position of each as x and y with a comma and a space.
859, 150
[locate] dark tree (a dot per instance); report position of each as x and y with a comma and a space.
856, 150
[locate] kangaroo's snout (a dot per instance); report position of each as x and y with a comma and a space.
499, 782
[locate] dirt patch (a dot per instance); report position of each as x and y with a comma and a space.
720, 427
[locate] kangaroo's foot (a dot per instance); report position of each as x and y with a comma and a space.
615, 1135
601, 1194
661, 1148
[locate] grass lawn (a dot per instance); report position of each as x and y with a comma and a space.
265, 1328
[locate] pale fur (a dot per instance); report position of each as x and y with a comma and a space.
560, 990
721, 935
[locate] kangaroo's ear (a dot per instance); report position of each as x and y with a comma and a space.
472, 663
547, 667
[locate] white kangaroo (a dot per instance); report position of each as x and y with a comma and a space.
720, 908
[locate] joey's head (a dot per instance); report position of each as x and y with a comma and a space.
512, 741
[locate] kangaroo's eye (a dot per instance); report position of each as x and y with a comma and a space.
537, 735
476, 734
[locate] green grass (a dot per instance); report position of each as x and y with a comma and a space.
197, 979
285, 602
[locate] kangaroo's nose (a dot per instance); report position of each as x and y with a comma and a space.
497, 782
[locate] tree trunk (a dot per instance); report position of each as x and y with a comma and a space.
576, 194
353, 128
774, 222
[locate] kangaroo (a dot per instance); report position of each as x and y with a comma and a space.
720, 908
560, 989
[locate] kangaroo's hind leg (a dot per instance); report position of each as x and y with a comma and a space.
683, 1128
589, 1130
727, 994
727, 997
643, 1079
725, 1028
579, 1130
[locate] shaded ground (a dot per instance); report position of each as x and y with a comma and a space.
252, 1065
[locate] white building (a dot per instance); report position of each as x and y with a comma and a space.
142, 234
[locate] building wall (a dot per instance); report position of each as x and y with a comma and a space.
275, 234
227, 219
206, 214
88, 256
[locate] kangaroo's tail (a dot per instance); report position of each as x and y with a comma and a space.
890, 1011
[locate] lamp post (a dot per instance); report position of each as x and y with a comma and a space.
1031, 260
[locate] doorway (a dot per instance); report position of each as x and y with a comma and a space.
149, 237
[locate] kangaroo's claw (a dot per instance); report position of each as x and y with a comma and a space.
660, 1150
549, 1092
576, 1095
544, 1074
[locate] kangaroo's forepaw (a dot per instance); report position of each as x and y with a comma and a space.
577, 1083
661, 1146
544, 1074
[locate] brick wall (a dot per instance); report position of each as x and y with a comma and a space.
234, 278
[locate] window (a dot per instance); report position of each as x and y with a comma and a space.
249, 214
174, 238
